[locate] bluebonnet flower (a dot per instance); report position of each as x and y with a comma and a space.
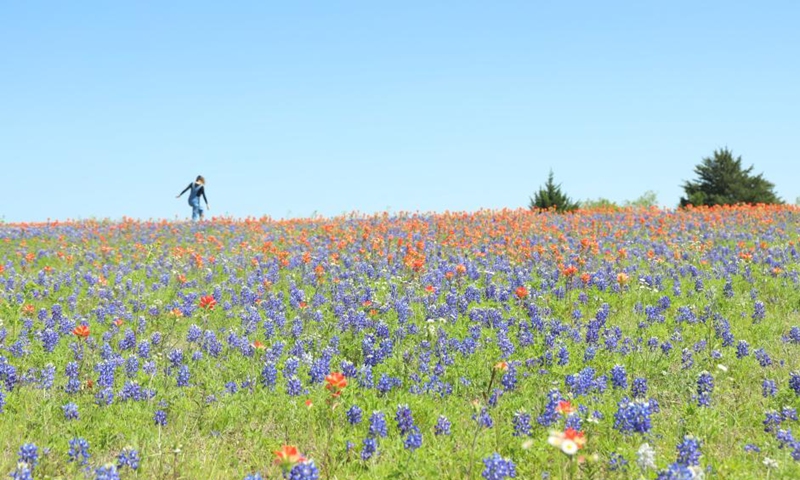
253, 476
619, 378
183, 376
705, 385
106, 472
8, 374
304, 471
483, 418
769, 388
49, 339
727, 290
442, 426
772, 420
789, 413
150, 368
144, 349
348, 369
106, 373
522, 424
160, 418
193, 334
386, 383
29, 453
752, 448
742, 349
562, 357
509, 380
639, 387
617, 462
128, 341
784, 438
365, 378
589, 353
269, 375
79, 451
404, 418
689, 451
687, 359
104, 397
377, 425
70, 411
22, 472
354, 415
498, 468
759, 311
175, 357
128, 457
677, 471
131, 366
369, 447
294, 387
550, 414
634, 416
762, 357
414, 440
794, 335
794, 382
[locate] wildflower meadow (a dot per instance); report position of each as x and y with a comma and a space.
617, 343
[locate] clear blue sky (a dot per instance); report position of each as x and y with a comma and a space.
295, 108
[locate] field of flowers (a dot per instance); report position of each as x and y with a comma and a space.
496, 344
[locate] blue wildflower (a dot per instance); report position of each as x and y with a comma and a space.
442, 426
498, 468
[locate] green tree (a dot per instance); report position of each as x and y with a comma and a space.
646, 200
722, 181
590, 204
551, 196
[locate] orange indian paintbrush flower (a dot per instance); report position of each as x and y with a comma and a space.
287, 456
81, 331
208, 302
335, 382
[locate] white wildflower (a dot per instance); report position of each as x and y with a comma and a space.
646, 457
770, 463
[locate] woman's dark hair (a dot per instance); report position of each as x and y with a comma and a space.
200, 179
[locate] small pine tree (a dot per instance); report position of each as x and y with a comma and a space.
723, 181
551, 196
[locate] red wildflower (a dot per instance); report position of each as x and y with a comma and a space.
564, 407
569, 271
335, 382
258, 345
502, 366
287, 456
118, 322
521, 292
81, 331
208, 302
576, 436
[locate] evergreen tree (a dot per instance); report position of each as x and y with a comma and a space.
722, 181
551, 196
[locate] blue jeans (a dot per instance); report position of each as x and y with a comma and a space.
197, 210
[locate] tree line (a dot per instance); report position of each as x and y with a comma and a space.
721, 180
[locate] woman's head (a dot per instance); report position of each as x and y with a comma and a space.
200, 179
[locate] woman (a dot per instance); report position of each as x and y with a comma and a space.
196, 189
